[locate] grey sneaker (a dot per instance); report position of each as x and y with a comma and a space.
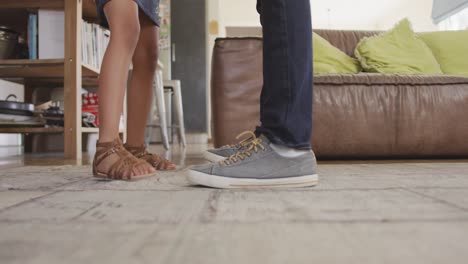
224, 152
257, 166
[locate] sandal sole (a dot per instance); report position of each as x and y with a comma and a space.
138, 178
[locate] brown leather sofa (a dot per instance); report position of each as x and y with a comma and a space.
355, 116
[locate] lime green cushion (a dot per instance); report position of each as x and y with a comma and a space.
329, 59
450, 49
398, 51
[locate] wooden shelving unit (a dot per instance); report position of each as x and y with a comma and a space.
49, 68
28, 130
93, 130
88, 6
70, 71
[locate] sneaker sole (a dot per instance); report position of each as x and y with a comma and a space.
212, 157
237, 183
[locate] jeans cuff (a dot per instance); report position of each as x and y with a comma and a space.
277, 140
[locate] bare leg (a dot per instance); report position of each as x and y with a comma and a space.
122, 16
140, 92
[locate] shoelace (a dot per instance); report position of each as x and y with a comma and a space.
243, 142
254, 144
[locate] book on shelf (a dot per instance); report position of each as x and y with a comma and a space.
51, 34
94, 38
32, 36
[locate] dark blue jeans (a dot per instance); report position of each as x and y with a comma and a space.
286, 98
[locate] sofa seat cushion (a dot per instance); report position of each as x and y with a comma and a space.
390, 120
389, 79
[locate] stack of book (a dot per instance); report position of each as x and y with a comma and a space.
94, 42
50, 31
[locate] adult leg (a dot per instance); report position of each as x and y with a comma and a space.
286, 98
279, 155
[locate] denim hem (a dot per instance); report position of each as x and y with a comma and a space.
277, 140
103, 20
155, 20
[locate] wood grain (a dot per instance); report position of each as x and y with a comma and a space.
72, 79
42, 68
26, 130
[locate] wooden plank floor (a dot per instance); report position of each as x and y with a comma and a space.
362, 212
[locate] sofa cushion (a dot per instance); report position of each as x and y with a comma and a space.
329, 59
397, 51
389, 79
345, 40
450, 49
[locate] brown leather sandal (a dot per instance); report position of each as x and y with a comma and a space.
122, 169
158, 162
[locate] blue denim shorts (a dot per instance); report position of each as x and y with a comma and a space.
149, 7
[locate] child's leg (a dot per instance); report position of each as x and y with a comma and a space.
122, 16
124, 25
140, 92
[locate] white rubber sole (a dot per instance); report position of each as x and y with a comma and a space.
220, 182
212, 157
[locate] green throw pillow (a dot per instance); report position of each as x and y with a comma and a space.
329, 59
450, 49
398, 51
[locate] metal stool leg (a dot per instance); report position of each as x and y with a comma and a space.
180, 112
150, 121
159, 94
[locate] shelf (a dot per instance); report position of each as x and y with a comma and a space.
90, 130
52, 4
89, 83
41, 68
93, 130
26, 130
89, 71
89, 7
50, 130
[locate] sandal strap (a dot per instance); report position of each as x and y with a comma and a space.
122, 168
140, 151
102, 156
136, 150
105, 149
155, 160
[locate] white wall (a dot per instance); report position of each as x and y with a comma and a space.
239, 12
352, 15
418, 11
340, 14
7, 88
